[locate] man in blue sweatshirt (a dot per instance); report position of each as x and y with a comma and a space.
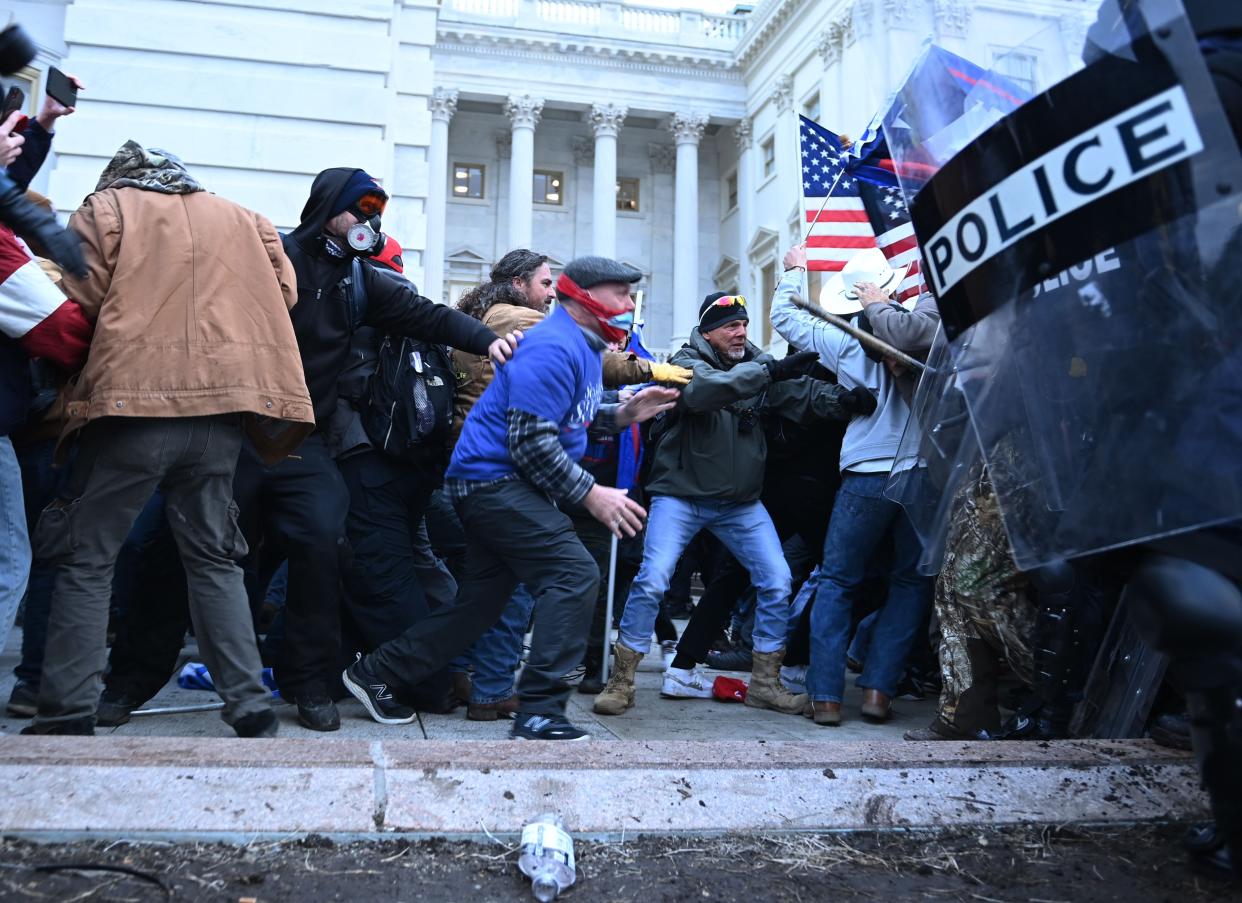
862, 520
514, 464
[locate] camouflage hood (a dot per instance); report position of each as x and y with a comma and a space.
153, 170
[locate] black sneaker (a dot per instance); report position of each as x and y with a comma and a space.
24, 700
115, 707
375, 695
528, 726
257, 724
733, 660
74, 727
317, 712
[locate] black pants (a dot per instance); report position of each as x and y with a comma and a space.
298, 506
796, 507
515, 535
387, 498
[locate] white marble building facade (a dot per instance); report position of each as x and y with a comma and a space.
546, 105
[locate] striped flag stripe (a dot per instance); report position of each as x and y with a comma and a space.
861, 229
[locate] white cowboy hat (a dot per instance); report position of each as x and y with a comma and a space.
838, 295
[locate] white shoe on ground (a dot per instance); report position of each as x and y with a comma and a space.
686, 683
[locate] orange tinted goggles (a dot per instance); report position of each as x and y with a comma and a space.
726, 301
371, 204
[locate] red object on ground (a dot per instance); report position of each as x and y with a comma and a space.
729, 689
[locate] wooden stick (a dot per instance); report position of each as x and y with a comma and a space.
863, 337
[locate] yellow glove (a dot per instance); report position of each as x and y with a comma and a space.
670, 374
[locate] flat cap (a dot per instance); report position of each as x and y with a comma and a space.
589, 271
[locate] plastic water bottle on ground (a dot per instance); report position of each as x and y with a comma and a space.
547, 856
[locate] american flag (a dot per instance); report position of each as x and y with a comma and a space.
858, 214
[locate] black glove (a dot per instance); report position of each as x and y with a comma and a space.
39, 227
858, 401
791, 366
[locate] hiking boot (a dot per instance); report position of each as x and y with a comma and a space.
766, 691
262, 723
618, 695
492, 711
317, 712
115, 707
1171, 730
530, 726
374, 694
733, 660
24, 700
823, 712
74, 727
460, 694
940, 730
686, 683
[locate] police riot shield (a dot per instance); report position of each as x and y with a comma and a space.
1079, 247
938, 454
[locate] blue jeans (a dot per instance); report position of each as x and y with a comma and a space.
861, 520
498, 652
14, 540
744, 528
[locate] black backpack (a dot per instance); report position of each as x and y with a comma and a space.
408, 409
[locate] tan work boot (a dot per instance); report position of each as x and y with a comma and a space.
618, 693
766, 690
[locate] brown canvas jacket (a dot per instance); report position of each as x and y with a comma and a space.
190, 295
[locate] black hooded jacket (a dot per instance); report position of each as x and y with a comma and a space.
321, 318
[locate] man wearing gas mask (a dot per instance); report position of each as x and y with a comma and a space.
300, 504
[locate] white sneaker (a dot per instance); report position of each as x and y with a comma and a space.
683, 683
794, 678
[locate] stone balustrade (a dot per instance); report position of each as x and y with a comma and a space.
604, 18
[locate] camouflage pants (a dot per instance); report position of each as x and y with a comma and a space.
986, 608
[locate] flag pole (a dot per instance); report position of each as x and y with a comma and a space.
831, 189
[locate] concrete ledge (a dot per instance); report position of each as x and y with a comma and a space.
111, 787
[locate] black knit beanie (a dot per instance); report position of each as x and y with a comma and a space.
712, 315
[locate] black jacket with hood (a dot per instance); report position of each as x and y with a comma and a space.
321, 318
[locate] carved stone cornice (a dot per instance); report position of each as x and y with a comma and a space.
782, 94
606, 118
858, 22
687, 128
584, 151
828, 44
504, 143
743, 133
953, 18
904, 13
442, 104
663, 157
523, 110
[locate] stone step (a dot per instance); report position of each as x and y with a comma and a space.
235, 790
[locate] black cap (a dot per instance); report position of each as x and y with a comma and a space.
712, 315
589, 271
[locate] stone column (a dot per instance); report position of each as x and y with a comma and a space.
442, 104
605, 120
523, 113
745, 199
828, 45
788, 161
687, 129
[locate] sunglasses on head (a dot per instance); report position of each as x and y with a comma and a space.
726, 301
371, 204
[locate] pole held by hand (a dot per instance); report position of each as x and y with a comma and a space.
864, 338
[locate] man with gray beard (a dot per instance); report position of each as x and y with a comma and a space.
707, 469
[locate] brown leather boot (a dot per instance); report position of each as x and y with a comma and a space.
492, 711
876, 706
828, 713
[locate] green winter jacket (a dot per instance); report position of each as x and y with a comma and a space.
701, 452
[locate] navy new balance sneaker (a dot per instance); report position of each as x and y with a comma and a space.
375, 695
533, 726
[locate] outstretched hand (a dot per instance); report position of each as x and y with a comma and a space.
646, 404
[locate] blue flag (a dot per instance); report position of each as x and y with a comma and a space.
630, 441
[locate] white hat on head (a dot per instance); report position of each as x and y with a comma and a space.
838, 295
